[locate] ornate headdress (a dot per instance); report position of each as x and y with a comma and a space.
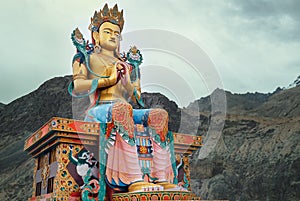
107, 15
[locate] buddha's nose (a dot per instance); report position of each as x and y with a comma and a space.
113, 38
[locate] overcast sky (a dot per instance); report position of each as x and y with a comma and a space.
254, 45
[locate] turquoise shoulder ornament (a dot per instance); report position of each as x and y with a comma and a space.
135, 58
84, 49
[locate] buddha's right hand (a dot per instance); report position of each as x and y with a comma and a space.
111, 80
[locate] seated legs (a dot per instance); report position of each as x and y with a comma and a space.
123, 166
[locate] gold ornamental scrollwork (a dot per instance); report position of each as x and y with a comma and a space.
45, 173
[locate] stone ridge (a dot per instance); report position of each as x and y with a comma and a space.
2, 105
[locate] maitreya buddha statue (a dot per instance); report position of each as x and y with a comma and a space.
111, 80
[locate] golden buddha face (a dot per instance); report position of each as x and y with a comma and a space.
108, 36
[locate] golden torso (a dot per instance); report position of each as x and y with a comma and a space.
102, 62
102, 65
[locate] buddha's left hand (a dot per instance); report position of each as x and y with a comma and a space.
123, 73
121, 70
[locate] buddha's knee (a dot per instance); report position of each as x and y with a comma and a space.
158, 120
158, 115
121, 109
122, 116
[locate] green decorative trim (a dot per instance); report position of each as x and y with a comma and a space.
173, 158
85, 192
145, 170
186, 181
138, 99
81, 47
135, 70
102, 161
124, 134
80, 56
131, 141
71, 157
92, 90
157, 139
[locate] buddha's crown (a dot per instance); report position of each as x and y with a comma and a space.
107, 15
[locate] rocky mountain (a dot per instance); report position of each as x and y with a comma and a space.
236, 103
256, 158
284, 103
295, 83
258, 154
2, 105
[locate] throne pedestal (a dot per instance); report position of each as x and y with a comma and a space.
55, 176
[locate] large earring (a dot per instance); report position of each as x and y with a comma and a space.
97, 47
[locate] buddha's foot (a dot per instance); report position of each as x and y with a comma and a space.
171, 187
144, 186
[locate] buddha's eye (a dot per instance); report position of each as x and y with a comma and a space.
107, 32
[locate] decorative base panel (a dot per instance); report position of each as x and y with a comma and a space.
155, 195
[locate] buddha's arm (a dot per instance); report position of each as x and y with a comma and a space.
82, 83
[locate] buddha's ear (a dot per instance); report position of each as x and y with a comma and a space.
96, 35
